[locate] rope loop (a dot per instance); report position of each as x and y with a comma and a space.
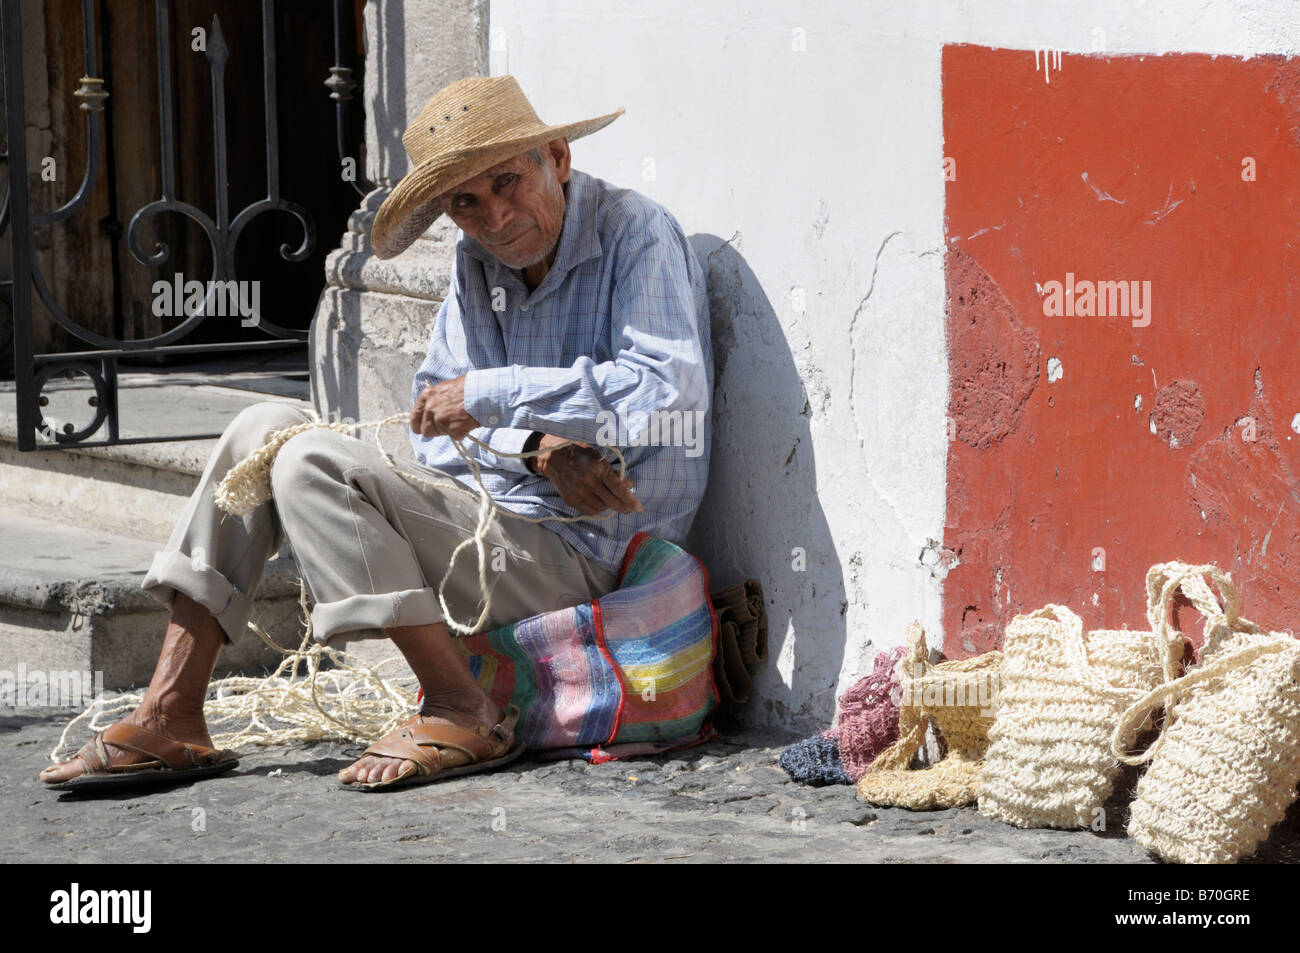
1168, 694
248, 485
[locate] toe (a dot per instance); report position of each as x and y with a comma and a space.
65, 770
358, 772
372, 770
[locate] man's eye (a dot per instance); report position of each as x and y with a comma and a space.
465, 201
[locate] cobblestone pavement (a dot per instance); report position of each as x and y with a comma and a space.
726, 801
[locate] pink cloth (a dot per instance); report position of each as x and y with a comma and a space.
868, 721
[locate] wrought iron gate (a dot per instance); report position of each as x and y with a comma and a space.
99, 363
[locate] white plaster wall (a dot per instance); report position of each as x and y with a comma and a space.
817, 169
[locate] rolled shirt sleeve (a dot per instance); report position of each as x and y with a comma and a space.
442, 364
502, 440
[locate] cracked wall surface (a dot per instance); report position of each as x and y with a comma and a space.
1150, 436
800, 147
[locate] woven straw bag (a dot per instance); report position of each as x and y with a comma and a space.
960, 698
1049, 762
1225, 767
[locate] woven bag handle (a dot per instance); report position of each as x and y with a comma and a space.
1168, 693
1067, 630
1164, 580
912, 720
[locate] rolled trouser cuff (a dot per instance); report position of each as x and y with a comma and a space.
174, 571
383, 610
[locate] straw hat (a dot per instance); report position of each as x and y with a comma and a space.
466, 129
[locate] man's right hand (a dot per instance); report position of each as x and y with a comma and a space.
583, 478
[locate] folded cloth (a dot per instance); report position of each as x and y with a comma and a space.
734, 681
742, 640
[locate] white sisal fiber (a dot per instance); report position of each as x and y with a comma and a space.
300, 701
303, 700
248, 484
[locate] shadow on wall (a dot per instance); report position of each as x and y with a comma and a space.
332, 350
761, 515
359, 375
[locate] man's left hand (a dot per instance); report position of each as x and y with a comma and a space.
440, 411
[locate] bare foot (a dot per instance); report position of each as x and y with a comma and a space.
188, 728
373, 768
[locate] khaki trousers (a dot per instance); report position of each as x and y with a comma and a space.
371, 545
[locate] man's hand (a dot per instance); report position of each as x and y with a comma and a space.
440, 411
584, 479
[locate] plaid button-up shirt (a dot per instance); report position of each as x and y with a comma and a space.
611, 348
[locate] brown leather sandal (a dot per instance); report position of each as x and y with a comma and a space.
443, 751
174, 762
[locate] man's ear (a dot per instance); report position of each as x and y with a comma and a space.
558, 150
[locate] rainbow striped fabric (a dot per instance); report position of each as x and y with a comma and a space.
631, 673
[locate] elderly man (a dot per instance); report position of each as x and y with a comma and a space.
576, 313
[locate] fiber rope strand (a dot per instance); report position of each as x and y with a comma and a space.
302, 700
248, 484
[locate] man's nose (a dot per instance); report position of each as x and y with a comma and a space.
496, 215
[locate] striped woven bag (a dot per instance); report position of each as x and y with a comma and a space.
628, 674
1225, 767
1049, 762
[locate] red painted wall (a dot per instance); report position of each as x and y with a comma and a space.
1121, 168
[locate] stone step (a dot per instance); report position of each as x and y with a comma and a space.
134, 489
79, 528
70, 601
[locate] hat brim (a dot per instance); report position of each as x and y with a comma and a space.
410, 208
